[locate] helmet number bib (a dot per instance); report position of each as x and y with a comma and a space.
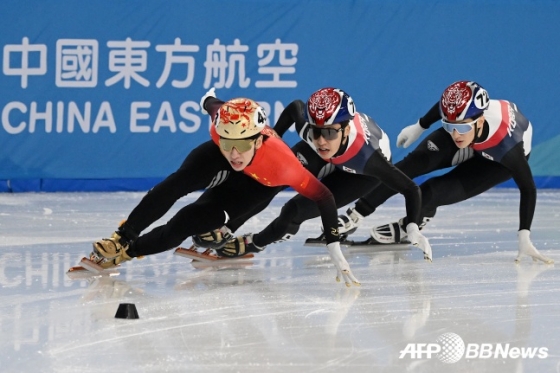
260, 117
481, 99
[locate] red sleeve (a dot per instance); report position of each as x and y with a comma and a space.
315, 190
303, 181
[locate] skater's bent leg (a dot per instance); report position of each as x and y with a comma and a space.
158, 201
345, 189
465, 181
422, 160
255, 203
295, 211
190, 220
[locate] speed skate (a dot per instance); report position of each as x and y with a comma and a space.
207, 255
353, 244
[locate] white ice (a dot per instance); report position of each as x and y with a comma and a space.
283, 312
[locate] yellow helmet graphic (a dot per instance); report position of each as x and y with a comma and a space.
240, 118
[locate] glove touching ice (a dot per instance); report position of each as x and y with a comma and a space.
417, 239
342, 266
526, 247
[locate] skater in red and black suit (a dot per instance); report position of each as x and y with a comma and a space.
351, 155
262, 165
488, 142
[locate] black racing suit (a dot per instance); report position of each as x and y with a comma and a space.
348, 177
475, 170
204, 167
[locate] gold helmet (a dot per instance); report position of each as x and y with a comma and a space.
240, 118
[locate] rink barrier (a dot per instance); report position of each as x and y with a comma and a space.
145, 184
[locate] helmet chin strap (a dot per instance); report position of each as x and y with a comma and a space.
254, 152
342, 147
477, 130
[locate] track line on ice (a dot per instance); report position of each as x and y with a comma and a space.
61, 350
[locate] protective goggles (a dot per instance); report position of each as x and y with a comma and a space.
461, 128
327, 133
242, 145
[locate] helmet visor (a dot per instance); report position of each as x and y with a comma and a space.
461, 128
242, 145
327, 133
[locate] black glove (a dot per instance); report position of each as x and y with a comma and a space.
239, 246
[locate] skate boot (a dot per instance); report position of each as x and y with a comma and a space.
215, 239
239, 246
349, 222
393, 233
110, 252
423, 223
389, 233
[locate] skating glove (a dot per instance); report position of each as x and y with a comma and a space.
526, 247
417, 239
342, 266
409, 134
211, 93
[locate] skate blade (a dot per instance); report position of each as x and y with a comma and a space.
222, 264
89, 268
378, 246
320, 241
207, 256
82, 272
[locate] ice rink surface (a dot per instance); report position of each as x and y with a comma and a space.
284, 311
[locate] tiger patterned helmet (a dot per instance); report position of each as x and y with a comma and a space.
463, 100
328, 106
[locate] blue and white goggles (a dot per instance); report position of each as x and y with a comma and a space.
461, 128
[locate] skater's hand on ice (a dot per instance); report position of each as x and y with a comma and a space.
342, 266
526, 247
409, 134
417, 239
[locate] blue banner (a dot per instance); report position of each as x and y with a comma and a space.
105, 95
